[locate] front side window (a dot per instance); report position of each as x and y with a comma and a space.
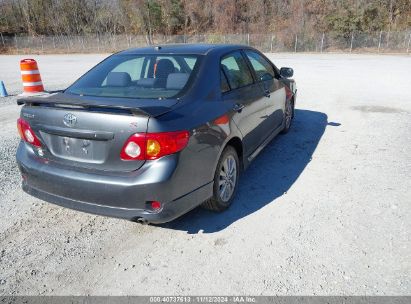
137, 76
260, 65
235, 68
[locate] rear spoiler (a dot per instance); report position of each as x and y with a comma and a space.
148, 107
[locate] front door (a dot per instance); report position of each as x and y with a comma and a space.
271, 88
244, 95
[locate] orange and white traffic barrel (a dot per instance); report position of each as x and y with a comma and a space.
30, 75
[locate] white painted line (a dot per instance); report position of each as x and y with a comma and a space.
30, 84
30, 72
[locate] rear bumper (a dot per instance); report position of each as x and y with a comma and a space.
124, 195
169, 211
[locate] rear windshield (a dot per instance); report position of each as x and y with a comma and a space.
138, 76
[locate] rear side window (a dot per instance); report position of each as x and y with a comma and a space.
138, 76
260, 64
236, 70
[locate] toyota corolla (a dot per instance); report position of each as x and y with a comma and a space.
151, 133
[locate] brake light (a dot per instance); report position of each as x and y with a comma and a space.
150, 146
26, 133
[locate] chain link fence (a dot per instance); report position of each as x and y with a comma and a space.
388, 42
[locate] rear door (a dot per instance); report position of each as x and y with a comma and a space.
270, 86
241, 91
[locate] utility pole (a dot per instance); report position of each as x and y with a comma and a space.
379, 42
2, 39
295, 45
271, 44
149, 24
322, 42
352, 39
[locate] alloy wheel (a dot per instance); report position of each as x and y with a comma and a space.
228, 178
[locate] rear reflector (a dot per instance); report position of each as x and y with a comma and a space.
222, 120
155, 205
26, 133
149, 146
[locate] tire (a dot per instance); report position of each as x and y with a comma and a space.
288, 116
221, 199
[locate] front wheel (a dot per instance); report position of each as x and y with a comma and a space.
225, 181
288, 115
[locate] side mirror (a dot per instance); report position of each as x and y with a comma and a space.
286, 72
266, 76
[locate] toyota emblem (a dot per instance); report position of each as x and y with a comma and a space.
70, 120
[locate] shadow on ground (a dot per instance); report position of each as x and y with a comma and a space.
271, 174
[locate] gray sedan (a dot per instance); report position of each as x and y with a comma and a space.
149, 134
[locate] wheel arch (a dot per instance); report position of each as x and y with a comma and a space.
237, 144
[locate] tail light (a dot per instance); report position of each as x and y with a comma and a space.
26, 133
149, 146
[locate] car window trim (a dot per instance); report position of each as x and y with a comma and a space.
276, 70
265, 58
251, 71
226, 79
250, 66
143, 68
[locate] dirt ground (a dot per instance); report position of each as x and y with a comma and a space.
323, 210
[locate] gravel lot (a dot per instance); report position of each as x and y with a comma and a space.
324, 210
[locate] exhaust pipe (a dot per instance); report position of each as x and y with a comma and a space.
142, 221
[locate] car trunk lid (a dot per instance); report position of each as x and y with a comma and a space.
87, 132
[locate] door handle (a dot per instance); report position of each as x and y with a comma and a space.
238, 107
267, 93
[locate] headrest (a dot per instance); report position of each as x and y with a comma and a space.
118, 79
176, 81
164, 67
146, 82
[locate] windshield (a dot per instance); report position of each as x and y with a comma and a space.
138, 76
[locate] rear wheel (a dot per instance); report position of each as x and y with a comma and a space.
288, 115
225, 181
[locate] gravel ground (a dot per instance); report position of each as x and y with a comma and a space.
324, 210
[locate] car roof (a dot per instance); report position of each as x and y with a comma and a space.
198, 48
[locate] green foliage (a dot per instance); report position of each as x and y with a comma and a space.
368, 18
345, 23
373, 18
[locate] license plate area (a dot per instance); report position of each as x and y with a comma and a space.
77, 149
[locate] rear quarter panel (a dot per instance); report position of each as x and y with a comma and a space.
210, 129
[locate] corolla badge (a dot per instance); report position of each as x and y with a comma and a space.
70, 120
